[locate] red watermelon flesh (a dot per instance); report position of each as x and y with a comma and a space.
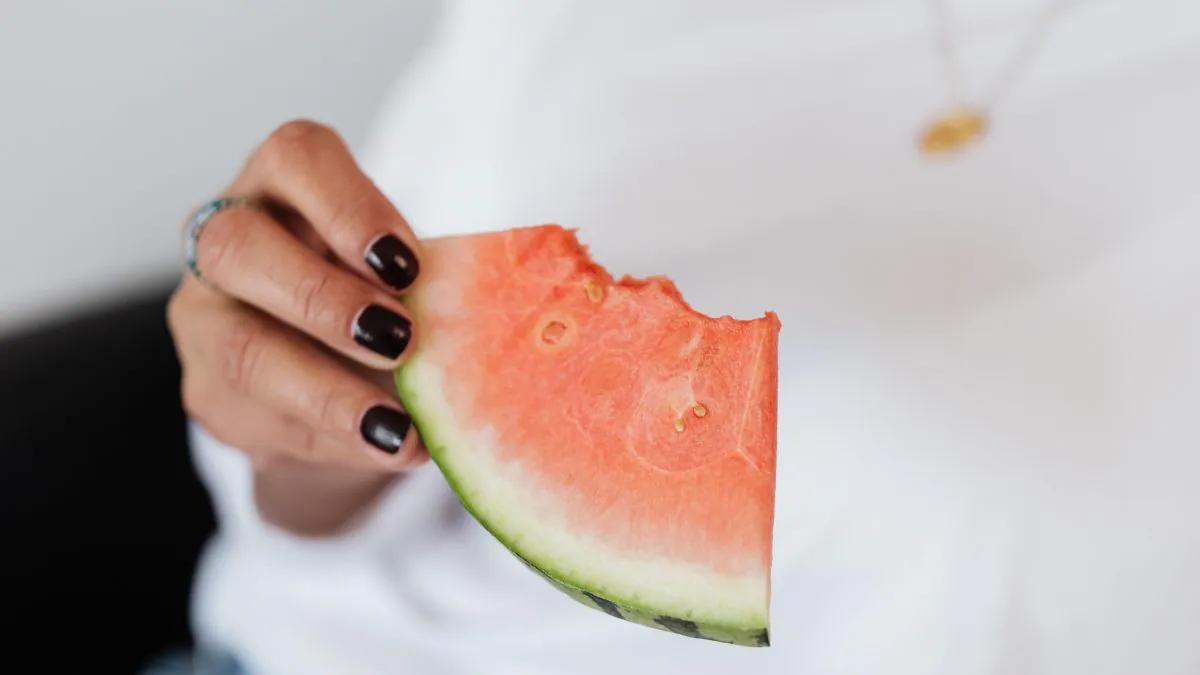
613, 438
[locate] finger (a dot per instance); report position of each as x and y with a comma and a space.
269, 436
287, 373
308, 167
245, 253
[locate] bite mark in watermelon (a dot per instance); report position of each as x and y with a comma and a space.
620, 443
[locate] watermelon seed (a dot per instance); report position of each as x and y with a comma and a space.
553, 332
679, 424
595, 291
699, 410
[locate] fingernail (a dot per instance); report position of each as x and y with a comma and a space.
393, 261
385, 428
382, 331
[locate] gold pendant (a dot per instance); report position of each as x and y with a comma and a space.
953, 131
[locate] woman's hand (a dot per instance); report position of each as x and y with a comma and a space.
288, 346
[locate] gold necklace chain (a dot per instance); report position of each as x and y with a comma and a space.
964, 122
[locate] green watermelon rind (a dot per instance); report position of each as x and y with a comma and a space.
682, 620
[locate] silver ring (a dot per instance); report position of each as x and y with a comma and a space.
195, 225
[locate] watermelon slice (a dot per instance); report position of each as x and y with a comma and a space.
618, 442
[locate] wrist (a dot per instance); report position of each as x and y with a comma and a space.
315, 501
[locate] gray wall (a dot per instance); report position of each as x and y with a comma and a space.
117, 117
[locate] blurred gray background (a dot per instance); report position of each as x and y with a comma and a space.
118, 117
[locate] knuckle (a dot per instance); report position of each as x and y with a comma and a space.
304, 442
231, 438
354, 214
191, 398
182, 308
301, 129
244, 345
311, 300
295, 139
359, 216
197, 397
176, 310
301, 442
337, 409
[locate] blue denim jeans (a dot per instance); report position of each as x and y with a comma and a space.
202, 661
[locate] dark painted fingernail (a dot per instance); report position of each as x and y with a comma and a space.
382, 331
393, 261
385, 428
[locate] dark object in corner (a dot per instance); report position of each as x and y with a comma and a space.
102, 514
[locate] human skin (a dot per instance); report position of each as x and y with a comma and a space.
288, 343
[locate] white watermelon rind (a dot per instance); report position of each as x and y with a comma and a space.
659, 594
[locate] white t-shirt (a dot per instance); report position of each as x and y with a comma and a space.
989, 439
